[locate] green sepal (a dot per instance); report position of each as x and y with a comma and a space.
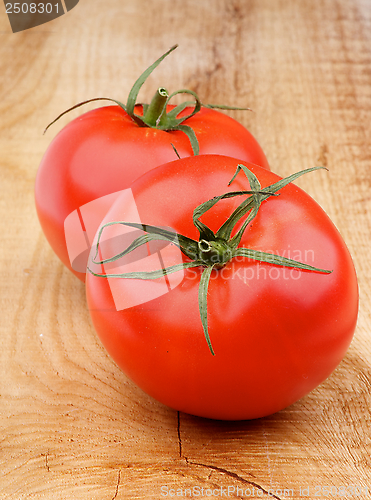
149, 275
120, 104
271, 258
175, 151
206, 232
251, 177
225, 107
171, 115
133, 94
202, 303
170, 120
138, 242
253, 203
191, 136
273, 188
187, 245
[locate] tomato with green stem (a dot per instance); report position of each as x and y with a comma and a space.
231, 296
106, 149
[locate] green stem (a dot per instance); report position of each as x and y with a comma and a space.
156, 107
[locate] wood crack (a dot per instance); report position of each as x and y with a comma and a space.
221, 470
179, 436
46, 460
232, 475
117, 485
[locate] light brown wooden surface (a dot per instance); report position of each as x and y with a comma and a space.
72, 425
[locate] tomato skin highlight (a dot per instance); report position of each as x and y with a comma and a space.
277, 332
103, 151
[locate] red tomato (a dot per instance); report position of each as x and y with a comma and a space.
277, 332
104, 151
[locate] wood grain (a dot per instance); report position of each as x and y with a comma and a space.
72, 425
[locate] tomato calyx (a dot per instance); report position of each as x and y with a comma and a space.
213, 250
215, 253
155, 114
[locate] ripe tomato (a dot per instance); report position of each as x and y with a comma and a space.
277, 332
105, 150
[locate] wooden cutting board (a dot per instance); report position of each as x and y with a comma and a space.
72, 425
